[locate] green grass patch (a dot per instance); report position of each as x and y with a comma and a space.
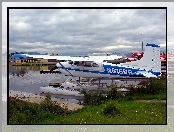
110, 112
113, 112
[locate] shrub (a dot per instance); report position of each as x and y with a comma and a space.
53, 107
22, 112
94, 98
113, 94
111, 109
151, 86
155, 85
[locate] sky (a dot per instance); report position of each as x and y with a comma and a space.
84, 31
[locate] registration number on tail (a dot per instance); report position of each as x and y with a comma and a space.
119, 71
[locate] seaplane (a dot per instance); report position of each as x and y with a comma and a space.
149, 66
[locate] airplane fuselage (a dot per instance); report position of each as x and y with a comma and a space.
102, 70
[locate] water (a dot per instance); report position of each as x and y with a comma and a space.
30, 81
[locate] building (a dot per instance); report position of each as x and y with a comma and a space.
31, 60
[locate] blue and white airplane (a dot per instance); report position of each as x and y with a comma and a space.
92, 67
148, 66
98, 67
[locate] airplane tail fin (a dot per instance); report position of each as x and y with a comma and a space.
150, 61
151, 58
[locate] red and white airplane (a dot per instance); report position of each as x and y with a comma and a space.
138, 55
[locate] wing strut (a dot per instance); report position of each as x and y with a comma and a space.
80, 86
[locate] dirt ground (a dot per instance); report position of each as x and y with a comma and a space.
37, 99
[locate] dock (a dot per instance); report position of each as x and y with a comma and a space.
48, 72
55, 84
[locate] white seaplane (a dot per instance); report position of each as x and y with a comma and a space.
98, 67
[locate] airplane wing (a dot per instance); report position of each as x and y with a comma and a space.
48, 57
85, 59
88, 58
68, 58
102, 58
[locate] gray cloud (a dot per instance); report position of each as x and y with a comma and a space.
84, 31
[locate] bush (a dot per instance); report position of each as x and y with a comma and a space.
22, 112
151, 86
97, 97
155, 85
113, 94
111, 109
94, 98
53, 107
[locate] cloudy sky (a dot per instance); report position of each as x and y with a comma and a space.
83, 31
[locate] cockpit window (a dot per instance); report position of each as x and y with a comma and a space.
117, 61
84, 64
95, 65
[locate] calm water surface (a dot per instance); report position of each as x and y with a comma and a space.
29, 80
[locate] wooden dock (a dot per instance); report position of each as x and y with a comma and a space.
48, 72
55, 84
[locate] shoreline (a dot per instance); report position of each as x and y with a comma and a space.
34, 98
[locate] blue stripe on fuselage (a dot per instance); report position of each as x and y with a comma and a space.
152, 45
115, 70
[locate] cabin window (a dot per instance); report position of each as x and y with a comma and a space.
117, 61
95, 65
76, 63
70, 62
87, 64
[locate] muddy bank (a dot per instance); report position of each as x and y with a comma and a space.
29, 97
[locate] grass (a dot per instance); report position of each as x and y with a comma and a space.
160, 96
122, 111
130, 112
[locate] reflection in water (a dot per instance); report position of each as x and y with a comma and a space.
29, 80
22, 70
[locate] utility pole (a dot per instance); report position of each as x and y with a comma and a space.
142, 41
